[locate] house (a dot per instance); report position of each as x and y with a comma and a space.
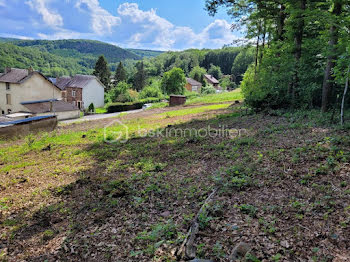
212, 81
60, 108
20, 86
193, 85
81, 90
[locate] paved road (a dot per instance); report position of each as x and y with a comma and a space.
98, 116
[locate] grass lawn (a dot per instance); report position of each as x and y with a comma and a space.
283, 187
208, 99
189, 111
217, 98
101, 110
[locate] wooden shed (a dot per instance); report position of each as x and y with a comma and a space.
176, 100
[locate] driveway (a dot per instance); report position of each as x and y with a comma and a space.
98, 117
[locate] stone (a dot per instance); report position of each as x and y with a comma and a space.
240, 250
285, 244
165, 214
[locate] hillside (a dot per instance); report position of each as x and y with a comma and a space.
80, 49
43, 61
145, 53
64, 57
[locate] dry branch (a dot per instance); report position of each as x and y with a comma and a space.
187, 249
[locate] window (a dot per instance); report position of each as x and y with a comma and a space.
8, 99
7, 86
73, 93
194, 88
2, 112
9, 111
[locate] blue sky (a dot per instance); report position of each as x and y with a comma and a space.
149, 24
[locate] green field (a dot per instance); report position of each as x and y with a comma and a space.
217, 98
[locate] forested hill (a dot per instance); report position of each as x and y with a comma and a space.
80, 48
43, 61
62, 57
145, 53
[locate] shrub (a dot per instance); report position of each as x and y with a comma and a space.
133, 94
190, 94
209, 89
118, 93
128, 96
150, 100
151, 91
120, 107
91, 107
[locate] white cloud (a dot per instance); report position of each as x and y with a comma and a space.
62, 34
147, 29
50, 18
16, 36
129, 26
102, 21
2, 3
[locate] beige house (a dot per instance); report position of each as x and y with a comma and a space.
18, 87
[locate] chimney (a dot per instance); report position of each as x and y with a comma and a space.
7, 70
30, 70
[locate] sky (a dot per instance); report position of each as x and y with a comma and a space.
145, 24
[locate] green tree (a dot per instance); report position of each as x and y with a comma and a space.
173, 82
119, 90
152, 90
328, 80
241, 63
102, 71
215, 71
140, 76
198, 73
298, 46
120, 73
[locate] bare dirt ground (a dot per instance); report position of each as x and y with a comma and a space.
283, 188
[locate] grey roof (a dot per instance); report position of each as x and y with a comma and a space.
79, 81
39, 101
193, 82
211, 79
15, 76
44, 107
62, 82
18, 76
21, 121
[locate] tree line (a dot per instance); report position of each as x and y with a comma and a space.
302, 51
166, 73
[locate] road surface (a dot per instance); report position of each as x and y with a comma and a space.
98, 116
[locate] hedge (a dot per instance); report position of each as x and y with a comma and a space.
120, 107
